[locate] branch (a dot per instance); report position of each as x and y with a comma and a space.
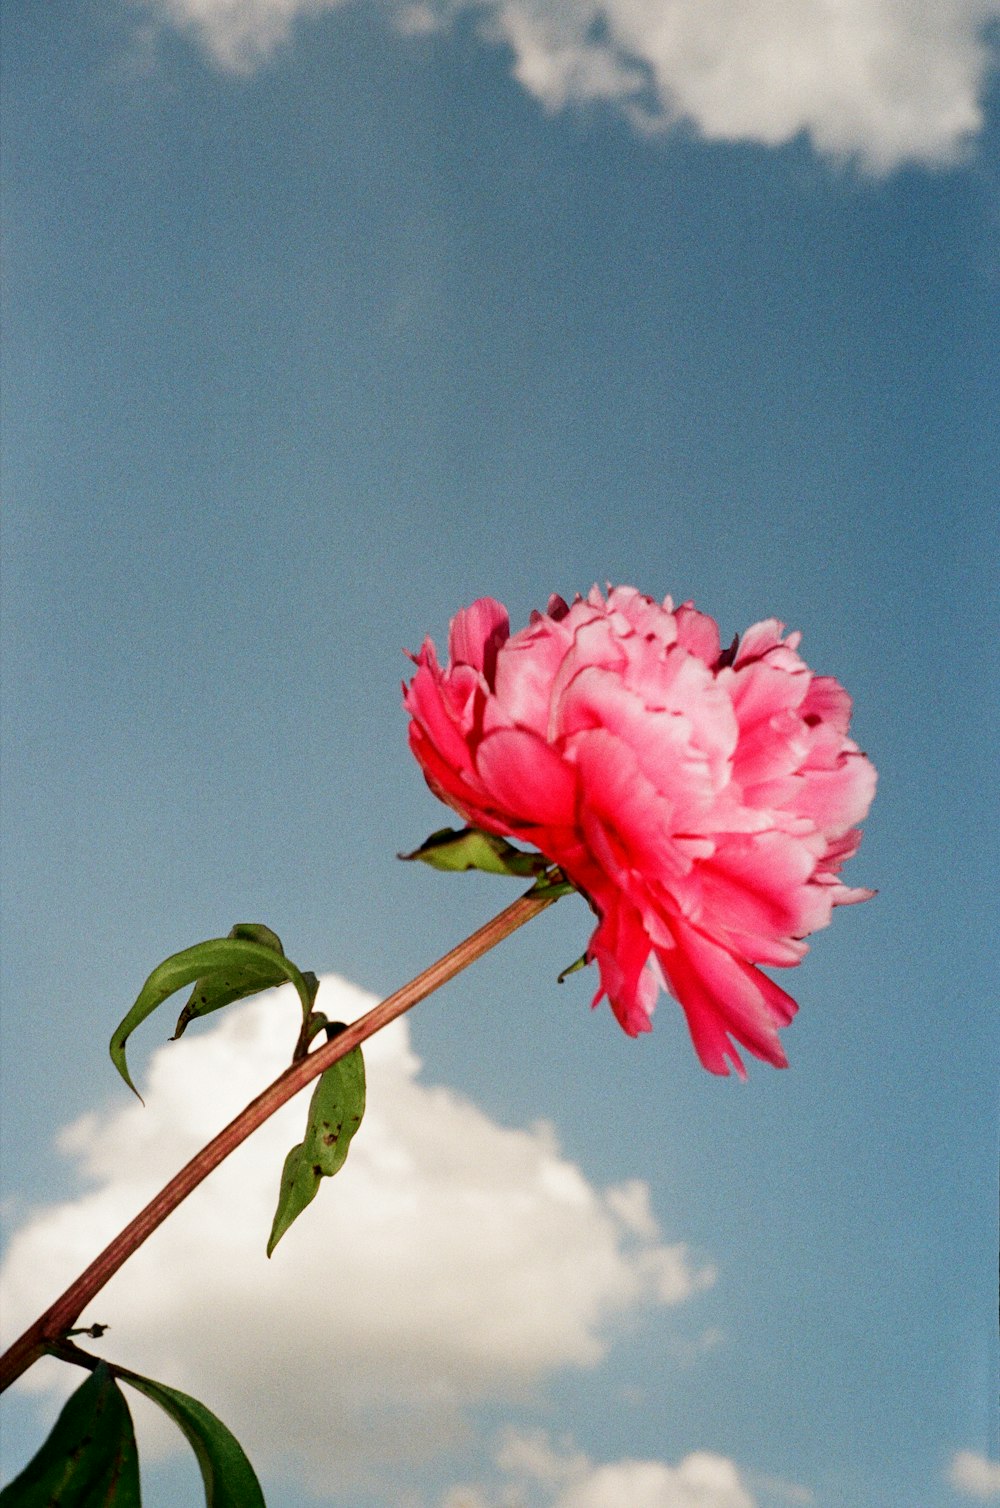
52, 1326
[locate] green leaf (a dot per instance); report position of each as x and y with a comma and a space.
90, 1458
223, 969
230, 1480
471, 848
335, 1111
259, 933
223, 986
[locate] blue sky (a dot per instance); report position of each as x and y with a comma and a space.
322, 321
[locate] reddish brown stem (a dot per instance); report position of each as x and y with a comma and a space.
61, 1316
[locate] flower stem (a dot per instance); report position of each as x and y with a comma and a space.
60, 1317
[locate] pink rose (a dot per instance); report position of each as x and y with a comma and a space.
702, 800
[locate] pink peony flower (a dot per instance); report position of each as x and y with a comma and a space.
702, 800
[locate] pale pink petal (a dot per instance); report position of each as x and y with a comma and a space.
663, 743
758, 639
623, 819
836, 800
762, 690
698, 633
826, 701
631, 610
755, 888
526, 670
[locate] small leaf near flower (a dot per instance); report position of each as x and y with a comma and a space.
573, 968
223, 969
472, 848
335, 1112
90, 1456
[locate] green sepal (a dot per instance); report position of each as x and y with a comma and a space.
228, 1477
579, 963
89, 1459
222, 969
335, 1112
552, 885
471, 848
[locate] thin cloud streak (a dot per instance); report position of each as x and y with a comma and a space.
872, 81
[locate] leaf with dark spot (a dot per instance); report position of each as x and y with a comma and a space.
335, 1112
223, 969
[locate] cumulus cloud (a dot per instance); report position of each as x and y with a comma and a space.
701, 1480
879, 81
454, 1260
556, 1475
975, 1475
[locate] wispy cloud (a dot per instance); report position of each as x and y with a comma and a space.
975, 1475
454, 1260
882, 82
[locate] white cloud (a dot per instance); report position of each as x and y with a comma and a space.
534, 1456
701, 1480
238, 35
569, 1479
881, 81
975, 1475
453, 1260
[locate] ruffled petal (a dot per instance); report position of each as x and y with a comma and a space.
476, 634
524, 776
621, 949
725, 999
526, 671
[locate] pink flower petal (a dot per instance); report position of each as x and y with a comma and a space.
621, 949
526, 671
477, 633
526, 777
723, 999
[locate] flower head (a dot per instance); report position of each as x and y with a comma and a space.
703, 800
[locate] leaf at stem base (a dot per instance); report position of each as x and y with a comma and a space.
90, 1457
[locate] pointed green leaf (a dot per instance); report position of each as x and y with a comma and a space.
578, 963
259, 933
231, 967
335, 1111
230, 1480
224, 986
471, 848
90, 1458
